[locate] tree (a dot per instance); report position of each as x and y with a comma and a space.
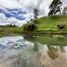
65, 10
36, 46
55, 7
36, 14
36, 11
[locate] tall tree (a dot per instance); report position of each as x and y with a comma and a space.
36, 9
65, 10
55, 7
36, 13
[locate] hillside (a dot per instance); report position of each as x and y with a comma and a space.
44, 25
49, 24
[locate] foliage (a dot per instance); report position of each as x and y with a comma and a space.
35, 13
29, 27
55, 7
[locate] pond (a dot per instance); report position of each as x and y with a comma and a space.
46, 50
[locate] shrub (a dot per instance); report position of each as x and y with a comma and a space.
29, 27
35, 21
61, 26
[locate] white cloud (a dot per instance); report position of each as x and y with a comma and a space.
44, 8
2, 16
9, 4
23, 3
44, 5
14, 21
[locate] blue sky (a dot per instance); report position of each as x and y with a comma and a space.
43, 6
28, 4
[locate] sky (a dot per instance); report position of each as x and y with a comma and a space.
30, 4
43, 6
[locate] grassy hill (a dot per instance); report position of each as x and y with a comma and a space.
49, 24
44, 24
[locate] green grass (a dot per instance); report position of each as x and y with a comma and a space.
9, 30
49, 24
45, 24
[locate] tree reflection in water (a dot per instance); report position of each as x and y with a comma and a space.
53, 52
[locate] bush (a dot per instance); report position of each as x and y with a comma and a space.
61, 26
29, 27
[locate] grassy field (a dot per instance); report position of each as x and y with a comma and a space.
45, 24
49, 24
9, 30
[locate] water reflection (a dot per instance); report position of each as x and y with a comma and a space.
49, 39
53, 52
33, 51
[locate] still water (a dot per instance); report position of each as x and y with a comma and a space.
33, 51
